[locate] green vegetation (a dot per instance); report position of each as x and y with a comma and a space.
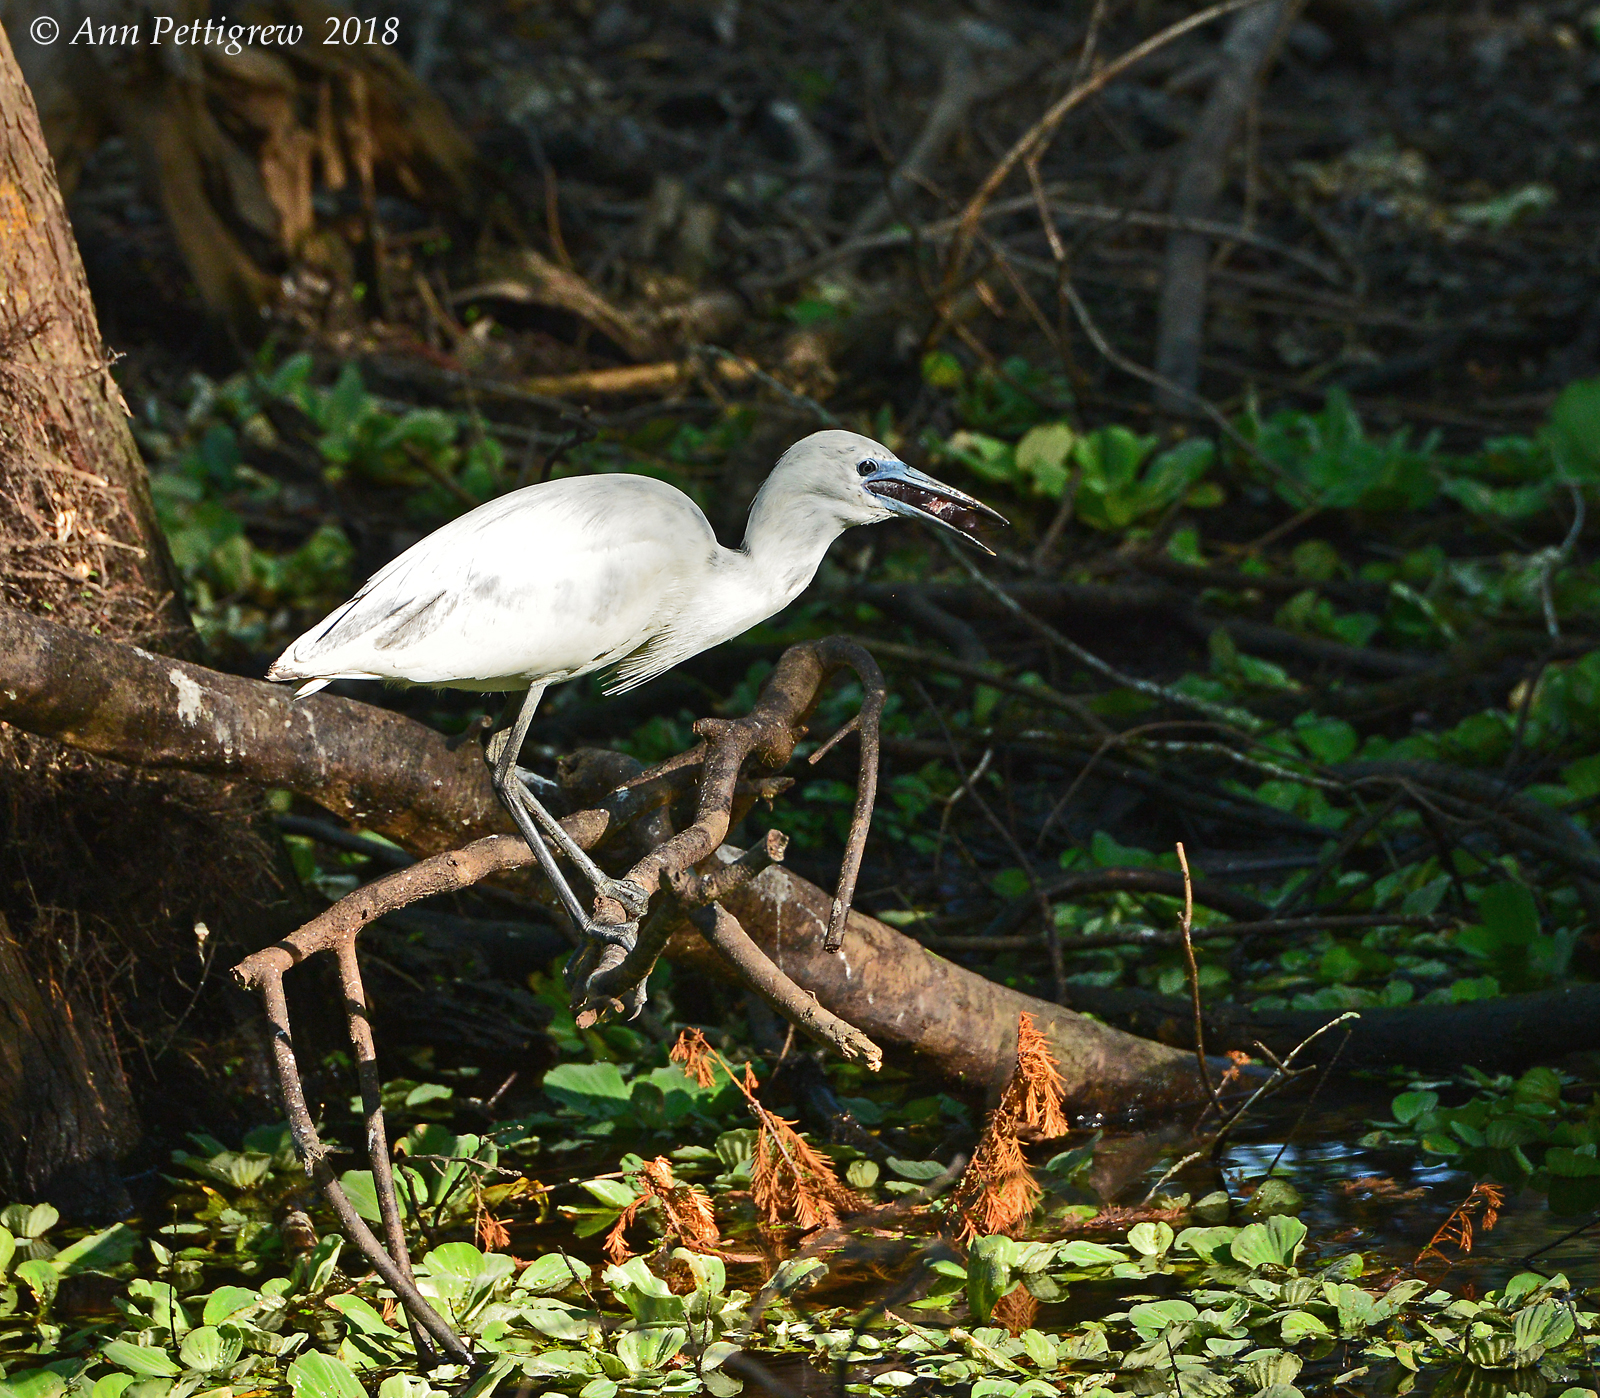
1458, 571
230, 1295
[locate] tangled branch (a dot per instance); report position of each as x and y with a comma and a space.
682, 867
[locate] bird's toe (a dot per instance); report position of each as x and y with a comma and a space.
616, 934
635, 901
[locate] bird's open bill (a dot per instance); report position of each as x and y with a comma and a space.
909, 492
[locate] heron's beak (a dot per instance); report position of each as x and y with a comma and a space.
909, 492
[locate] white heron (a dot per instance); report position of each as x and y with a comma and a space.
571, 576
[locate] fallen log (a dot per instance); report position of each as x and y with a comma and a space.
398, 778
1504, 1034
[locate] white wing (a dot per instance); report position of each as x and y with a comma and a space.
548, 582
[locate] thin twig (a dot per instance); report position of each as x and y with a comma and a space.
1052, 937
1185, 924
1041, 131
1240, 718
1283, 1072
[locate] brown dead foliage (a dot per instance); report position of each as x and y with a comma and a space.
688, 1211
998, 1193
1481, 1205
1037, 1082
693, 1054
492, 1233
1120, 1220
1381, 1187
792, 1181
1017, 1309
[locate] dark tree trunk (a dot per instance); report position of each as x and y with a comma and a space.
104, 872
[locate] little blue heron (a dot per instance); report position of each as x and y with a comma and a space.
570, 576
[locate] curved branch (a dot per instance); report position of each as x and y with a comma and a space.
752, 966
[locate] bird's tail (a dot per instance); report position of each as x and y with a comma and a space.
285, 671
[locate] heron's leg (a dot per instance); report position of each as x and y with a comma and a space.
635, 901
519, 802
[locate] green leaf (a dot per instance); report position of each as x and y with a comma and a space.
143, 1360
644, 1294
1074, 1163
318, 1375
988, 1274
1539, 1087
646, 1351
1204, 1242
1326, 739
460, 1260
226, 1302
614, 1194
558, 1364
111, 1385
1080, 1252
1155, 1318
558, 1320
1578, 1162
1513, 1129
919, 1170
320, 1263
1409, 1106
1270, 1368
941, 369
1150, 1239
30, 1220
1508, 910
595, 1090
552, 1273
207, 1349
1273, 1243
1040, 1348
1274, 1196
1297, 1325
795, 1272
1112, 494
1042, 456
40, 1278
36, 1383
861, 1174
98, 1252
1573, 430
1544, 1326
8, 1250
984, 456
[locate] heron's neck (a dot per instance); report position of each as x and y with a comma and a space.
784, 543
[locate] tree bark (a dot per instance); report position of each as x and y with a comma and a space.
60, 1082
1504, 1034
233, 143
104, 872
402, 779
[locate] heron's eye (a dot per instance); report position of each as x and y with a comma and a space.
866, 468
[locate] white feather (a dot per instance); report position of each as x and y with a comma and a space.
572, 576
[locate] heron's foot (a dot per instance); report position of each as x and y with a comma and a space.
613, 934
635, 901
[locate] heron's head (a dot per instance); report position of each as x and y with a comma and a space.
864, 482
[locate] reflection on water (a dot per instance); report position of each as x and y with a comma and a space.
1386, 1203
